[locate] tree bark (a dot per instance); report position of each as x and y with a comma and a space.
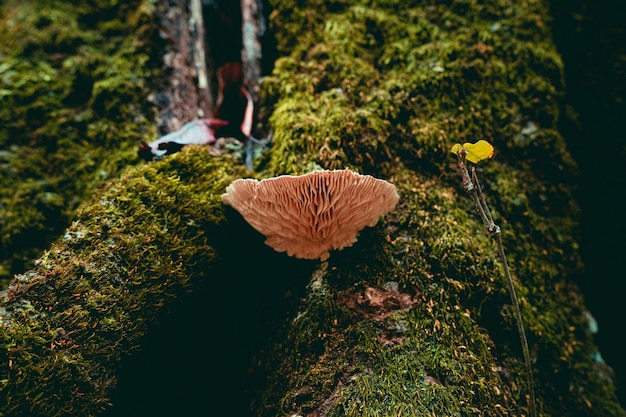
412, 320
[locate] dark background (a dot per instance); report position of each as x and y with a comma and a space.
591, 38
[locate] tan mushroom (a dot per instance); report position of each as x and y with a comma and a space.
308, 215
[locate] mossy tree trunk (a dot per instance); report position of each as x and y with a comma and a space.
414, 319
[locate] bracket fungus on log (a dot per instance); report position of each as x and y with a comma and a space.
308, 215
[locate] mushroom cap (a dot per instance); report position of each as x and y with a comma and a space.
310, 214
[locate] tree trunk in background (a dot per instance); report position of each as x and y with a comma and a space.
160, 300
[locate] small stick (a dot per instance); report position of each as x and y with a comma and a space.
472, 186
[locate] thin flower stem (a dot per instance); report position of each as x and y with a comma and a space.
472, 186
520, 325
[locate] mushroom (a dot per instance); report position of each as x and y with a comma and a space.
310, 214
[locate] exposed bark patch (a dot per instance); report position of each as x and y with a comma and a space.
379, 302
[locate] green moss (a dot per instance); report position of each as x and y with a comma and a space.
141, 242
428, 73
329, 133
74, 83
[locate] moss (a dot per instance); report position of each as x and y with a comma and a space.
421, 77
428, 77
141, 242
74, 85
